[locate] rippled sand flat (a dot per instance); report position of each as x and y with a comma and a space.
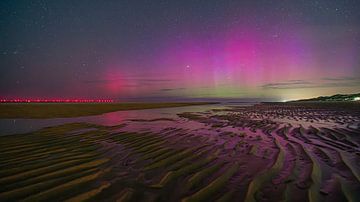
266, 152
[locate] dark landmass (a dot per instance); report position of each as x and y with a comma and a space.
333, 98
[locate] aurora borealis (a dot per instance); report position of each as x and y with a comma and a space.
276, 50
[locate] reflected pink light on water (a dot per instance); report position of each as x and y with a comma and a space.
114, 118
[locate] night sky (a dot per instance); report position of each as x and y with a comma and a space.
137, 49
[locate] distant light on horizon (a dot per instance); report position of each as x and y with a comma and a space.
357, 99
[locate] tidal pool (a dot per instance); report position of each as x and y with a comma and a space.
19, 126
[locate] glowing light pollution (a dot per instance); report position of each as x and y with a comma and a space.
55, 101
278, 50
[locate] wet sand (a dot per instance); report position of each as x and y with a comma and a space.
266, 152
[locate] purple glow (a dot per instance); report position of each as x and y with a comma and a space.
221, 50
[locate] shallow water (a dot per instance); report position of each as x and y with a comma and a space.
19, 126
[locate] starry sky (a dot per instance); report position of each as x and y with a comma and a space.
188, 49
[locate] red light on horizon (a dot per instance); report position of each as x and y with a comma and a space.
56, 100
